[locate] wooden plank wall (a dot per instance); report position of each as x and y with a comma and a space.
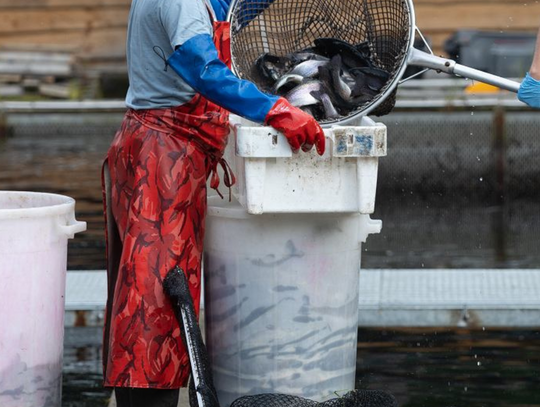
88, 27
438, 19
97, 27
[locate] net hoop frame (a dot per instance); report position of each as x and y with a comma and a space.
356, 115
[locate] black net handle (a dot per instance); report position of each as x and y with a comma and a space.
176, 288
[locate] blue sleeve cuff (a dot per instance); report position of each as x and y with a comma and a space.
529, 91
197, 62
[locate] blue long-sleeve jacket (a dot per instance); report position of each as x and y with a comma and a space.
197, 62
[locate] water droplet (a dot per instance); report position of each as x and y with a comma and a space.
478, 363
481, 179
475, 356
483, 328
472, 113
465, 388
477, 158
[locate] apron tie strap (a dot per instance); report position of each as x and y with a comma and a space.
228, 176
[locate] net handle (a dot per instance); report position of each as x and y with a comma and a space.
425, 60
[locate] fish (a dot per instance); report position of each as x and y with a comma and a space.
300, 96
347, 77
361, 89
344, 106
269, 68
309, 110
340, 87
352, 58
330, 111
376, 78
306, 55
360, 86
286, 83
363, 48
309, 68
328, 80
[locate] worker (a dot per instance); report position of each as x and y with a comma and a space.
529, 90
171, 140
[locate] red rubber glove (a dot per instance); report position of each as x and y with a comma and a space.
301, 129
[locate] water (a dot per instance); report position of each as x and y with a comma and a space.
63, 154
442, 228
421, 367
449, 231
425, 368
82, 375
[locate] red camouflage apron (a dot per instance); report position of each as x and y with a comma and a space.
155, 205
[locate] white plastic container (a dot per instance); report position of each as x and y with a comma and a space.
270, 179
34, 230
281, 300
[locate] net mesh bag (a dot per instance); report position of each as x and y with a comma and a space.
354, 398
201, 388
282, 27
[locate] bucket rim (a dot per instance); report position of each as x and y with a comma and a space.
64, 206
218, 207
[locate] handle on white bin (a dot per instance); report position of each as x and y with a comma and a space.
70, 230
368, 227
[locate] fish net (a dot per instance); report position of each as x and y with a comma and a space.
283, 27
201, 387
355, 398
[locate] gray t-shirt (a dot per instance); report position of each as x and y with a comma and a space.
155, 28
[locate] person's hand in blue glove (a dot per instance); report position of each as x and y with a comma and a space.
529, 91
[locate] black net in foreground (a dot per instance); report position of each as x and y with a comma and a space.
202, 392
354, 398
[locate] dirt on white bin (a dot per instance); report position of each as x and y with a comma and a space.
34, 230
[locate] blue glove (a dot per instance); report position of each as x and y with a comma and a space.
529, 91
197, 63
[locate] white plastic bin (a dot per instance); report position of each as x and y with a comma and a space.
281, 300
34, 230
271, 179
